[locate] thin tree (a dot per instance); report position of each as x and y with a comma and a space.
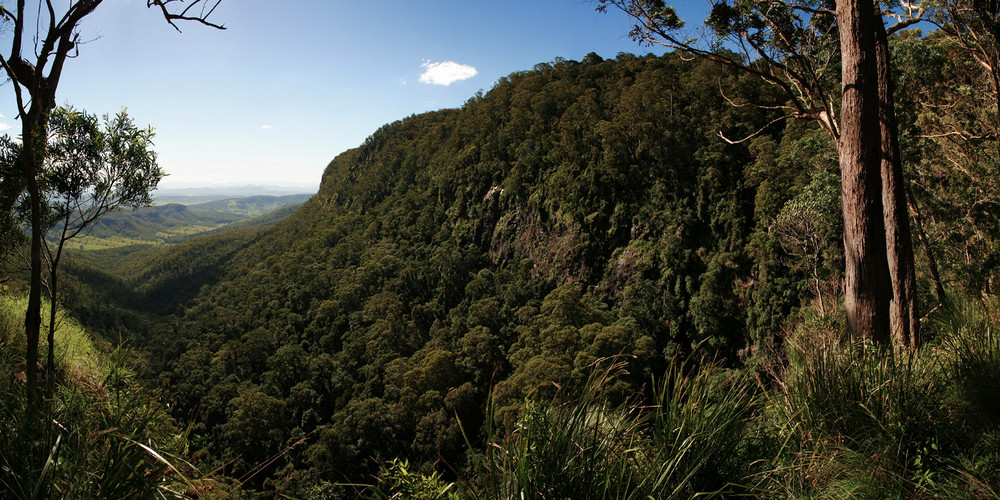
42, 38
797, 46
88, 172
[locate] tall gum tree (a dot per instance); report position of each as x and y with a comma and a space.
903, 319
39, 48
866, 274
796, 45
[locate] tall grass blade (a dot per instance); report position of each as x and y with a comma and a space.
49, 464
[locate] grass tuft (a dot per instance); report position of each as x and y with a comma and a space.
582, 446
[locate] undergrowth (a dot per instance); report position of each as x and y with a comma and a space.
828, 417
97, 434
834, 418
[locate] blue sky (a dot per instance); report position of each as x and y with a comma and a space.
289, 85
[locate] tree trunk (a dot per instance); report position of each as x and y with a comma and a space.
54, 292
50, 364
866, 275
30, 127
932, 266
903, 317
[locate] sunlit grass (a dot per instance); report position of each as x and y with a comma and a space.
686, 442
97, 433
74, 346
836, 419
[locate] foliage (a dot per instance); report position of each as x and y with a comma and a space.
101, 436
396, 480
91, 170
686, 442
455, 279
950, 117
87, 173
838, 420
577, 211
868, 422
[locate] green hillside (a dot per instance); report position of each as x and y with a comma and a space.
173, 223
106, 437
568, 284
576, 211
152, 225
250, 206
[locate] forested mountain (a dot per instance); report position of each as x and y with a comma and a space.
575, 211
464, 263
250, 206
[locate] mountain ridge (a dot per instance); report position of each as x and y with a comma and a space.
573, 212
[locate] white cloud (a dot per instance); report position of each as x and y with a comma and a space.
446, 72
265, 127
4, 126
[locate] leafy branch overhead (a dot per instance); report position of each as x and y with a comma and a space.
90, 172
790, 45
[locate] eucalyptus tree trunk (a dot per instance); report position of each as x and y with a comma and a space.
932, 266
903, 317
866, 274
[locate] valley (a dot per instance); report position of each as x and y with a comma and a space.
681, 274
170, 223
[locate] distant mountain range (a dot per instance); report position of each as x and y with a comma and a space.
250, 206
159, 223
174, 222
194, 195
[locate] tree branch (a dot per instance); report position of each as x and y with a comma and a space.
201, 17
758, 132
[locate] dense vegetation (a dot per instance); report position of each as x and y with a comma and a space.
106, 437
571, 284
577, 211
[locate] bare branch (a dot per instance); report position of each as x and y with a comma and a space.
207, 8
758, 132
903, 25
12, 74
814, 11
